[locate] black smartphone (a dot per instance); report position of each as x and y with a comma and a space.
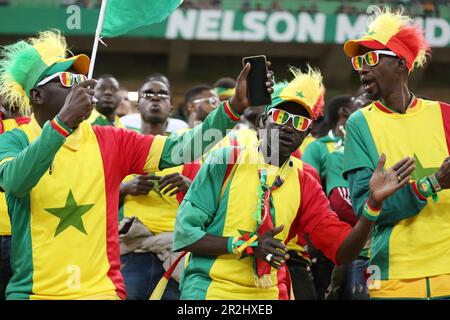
256, 81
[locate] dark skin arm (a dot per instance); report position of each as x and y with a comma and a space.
216, 246
382, 185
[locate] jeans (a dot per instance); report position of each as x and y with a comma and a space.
141, 273
5, 264
301, 277
355, 285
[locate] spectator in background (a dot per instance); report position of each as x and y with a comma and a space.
177, 122
125, 105
315, 155
10, 118
354, 285
133, 121
199, 101
224, 88
154, 200
108, 96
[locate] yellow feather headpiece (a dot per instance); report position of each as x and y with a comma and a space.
25, 63
306, 89
396, 32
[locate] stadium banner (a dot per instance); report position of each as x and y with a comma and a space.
215, 25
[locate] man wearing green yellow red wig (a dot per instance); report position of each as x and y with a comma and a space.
247, 203
62, 176
411, 240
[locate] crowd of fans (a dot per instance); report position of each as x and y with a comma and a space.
103, 192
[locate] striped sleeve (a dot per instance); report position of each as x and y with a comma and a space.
185, 148
403, 204
315, 219
200, 204
27, 161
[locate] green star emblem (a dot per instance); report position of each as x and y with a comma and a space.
70, 215
420, 171
299, 94
371, 33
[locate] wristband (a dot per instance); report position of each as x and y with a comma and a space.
232, 248
61, 127
426, 189
371, 213
244, 244
230, 112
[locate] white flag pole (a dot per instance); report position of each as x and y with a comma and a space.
97, 38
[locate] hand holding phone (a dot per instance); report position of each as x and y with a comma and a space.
240, 100
256, 81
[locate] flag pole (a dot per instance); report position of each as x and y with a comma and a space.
97, 38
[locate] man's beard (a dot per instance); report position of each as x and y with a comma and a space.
154, 119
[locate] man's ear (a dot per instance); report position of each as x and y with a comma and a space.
191, 108
172, 108
36, 96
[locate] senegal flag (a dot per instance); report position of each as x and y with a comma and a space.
123, 16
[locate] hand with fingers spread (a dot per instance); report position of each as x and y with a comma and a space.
174, 182
385, 183
78, 105
271, 250
141, 185
239, 101
443, 174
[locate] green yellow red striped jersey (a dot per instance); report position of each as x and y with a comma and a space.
63, 194
300, 205
417, 246
97, 119
316, 152
5, 224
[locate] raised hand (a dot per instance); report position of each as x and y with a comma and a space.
268, 245
443, 174
78, 105
239, 101
174, 182
385, 183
